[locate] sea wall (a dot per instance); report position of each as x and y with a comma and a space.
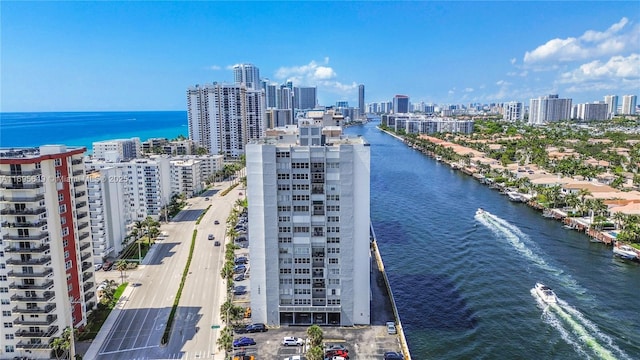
403, 341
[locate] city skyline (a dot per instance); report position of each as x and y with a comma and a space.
104, 56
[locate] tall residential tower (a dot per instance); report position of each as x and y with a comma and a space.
308, 192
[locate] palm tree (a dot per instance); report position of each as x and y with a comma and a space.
315, 335
61, 345
121, 265
225, 341
619, 218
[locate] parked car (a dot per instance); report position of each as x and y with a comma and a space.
239, 269
211, 237
243, 341
336, 347
244, 357
391, 328
216, 243
296, 357
216, 222
97, 267
241, 260
256, 328
107, 266
239, 277
391, 355
335, 353
292, 341
240, 290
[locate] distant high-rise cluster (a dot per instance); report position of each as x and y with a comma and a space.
629, 104
549, 109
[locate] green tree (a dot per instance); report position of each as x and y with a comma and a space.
314, 332
315, 353
121, 265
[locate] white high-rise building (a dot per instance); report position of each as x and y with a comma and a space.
109, 212
308, 192
629, 104
549, 109
247, 75
186, 177
513, 111
46, 269
612, 104
223, 117
306, 97
148, 184
591, 111
126, 149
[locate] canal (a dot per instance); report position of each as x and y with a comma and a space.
463, 283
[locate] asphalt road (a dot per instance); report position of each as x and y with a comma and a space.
145, 308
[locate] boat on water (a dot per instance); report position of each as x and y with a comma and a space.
546, 294
626, 252
480, 211
514, 196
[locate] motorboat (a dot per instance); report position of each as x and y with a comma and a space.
480, 211
625, 252
546, 294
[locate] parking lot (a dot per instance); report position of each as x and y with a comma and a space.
366, 342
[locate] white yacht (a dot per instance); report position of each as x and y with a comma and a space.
625, 252
546, 294
480, 211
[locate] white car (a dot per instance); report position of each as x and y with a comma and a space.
292, 341
295, 357
97, 267
391, 328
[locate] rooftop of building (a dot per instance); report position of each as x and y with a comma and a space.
35, 152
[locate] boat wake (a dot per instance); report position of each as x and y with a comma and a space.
526, 247
579, 332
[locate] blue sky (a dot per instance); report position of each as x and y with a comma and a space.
138, 55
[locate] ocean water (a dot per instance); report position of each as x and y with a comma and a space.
83, 128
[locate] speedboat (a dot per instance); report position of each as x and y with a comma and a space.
546, 294
480, 211
625, 252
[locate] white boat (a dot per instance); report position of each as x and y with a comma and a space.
546, 294
480, 211
514, 196
625, 252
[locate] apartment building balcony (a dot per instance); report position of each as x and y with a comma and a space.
317, 189
29, 249
318, 283
44, 286
22, 199
81, 204
88, 296
8, 224
50, 319
86, 256
30, 274
82, 214
85, 246
80, 194
88, 285
35, 211
21, 185
32, 172
50, 331
86, 265
78, 172
84, 236
79, 183
32, 345
16, 237
318, 302
318, 263
35, 309
319, 294
76, 161
40, 261
86, 276
46, 296
318, 274
83, 225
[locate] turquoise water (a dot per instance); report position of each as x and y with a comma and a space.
83, 128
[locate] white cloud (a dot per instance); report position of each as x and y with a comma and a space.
617, 68
468, 89
313, 74
452, 91
214, 67
617, 39
513, 61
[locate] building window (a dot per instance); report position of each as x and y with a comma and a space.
8, 348
3, 277
8, 336
333, 261
8, 325
60, 197
66, 254
6, 313
67, 265
57, 162
65, 231
4, 301
285, 271
4, 290
62, 208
